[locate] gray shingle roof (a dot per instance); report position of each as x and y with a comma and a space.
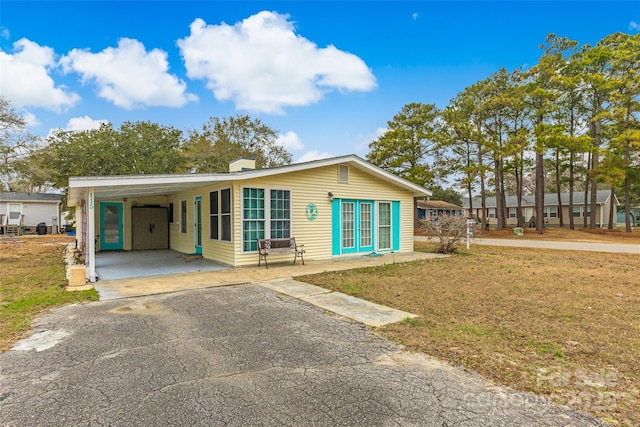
550, 199
30, 197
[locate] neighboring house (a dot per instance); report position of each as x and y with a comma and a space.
634, 214
27, 210
437, 208
337, 206
603, 203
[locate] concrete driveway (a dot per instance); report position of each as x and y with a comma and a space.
240, 355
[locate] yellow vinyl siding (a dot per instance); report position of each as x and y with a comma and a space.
312, 186
308, 186
211, 249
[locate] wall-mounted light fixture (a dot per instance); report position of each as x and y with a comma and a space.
124, 199
330, 195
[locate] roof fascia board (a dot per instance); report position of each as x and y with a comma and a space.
101, 181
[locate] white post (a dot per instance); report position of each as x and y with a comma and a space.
470, 224
91, 237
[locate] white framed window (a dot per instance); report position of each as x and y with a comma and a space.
280, 214
265, 212
343, 173
513, 212
491, 213
220, 215
577, 211
348, 231
183, 217
365, 225
384, 225
551, 212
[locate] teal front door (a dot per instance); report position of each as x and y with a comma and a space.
111, 238
356, 226
198, 224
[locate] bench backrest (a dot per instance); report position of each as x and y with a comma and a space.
277, 243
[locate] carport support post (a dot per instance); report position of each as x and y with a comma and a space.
91, 236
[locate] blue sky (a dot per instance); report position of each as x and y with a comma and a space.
326, 75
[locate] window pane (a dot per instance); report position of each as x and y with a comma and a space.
213, 227
384, 226
385, 213
213, 202
183, 216
365, 224
225, 196
347, 225
280, 214
253, 218
226, 228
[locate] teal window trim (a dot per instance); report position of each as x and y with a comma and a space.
265, 212
395, 225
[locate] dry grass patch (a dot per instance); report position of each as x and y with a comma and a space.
32, 274
558, 323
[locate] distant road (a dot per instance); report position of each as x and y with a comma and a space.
547, 244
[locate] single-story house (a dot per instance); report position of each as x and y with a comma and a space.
27, 210
337, 206
634, 214
603, 203
437, 208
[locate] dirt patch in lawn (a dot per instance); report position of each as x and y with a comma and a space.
32, 274
562, 324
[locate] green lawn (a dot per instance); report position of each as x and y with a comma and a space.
32, 274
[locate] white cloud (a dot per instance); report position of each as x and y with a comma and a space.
4, 33
365, 139
634, 26
79, 124
30, 119
129, 76
25, 78
290, 141
313, 155
262, 65
84, 123
414, 16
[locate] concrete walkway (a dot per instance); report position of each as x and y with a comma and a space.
550, 244
151, 285
345, 305
279, 277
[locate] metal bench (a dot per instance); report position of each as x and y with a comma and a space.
271, 246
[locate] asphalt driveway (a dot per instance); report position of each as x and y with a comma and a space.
240, 355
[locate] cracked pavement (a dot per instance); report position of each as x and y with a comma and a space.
241, 355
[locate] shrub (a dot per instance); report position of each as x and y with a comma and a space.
450, 230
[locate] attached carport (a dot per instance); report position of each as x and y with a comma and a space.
127, 265
85, 194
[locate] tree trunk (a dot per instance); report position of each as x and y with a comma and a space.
559, 189
587, 184
468, 153
539, 193
627, 209
572, 225
496, 174
503, 202
594, 167
483, 193
611, 206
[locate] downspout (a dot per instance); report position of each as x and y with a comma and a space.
91, 236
